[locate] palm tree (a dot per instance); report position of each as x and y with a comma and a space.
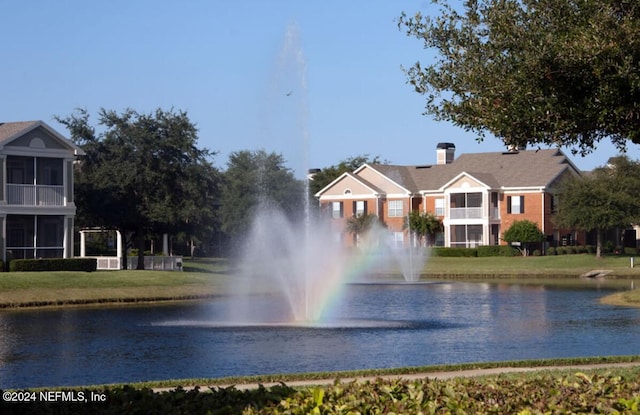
360, 224
423, 225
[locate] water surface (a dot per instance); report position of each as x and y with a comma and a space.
369, 326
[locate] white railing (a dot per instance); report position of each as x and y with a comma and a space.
465, 213
158, 263
35, 195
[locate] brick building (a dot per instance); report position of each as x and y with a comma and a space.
476, 196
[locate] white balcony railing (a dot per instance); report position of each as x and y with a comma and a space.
465, 213
35, 195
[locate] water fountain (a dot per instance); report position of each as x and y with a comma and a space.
295, 261
298, 263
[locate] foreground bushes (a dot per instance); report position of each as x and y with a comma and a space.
507, 394
54, 264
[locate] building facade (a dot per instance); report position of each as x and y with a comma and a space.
37, 207
476, 196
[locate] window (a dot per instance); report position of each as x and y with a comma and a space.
337, 210
49, 171
515, 204
35, 236
439, 207
397, 240
466, 236
360, 208
395, 208
20, 170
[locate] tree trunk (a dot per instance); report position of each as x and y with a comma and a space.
123, 250
140, 246
599, 235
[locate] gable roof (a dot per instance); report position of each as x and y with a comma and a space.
483, 179
12, 130
347, 175
497, 170
398, 175
390, 180
522, 169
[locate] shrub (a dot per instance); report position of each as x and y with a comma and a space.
571, 250
608, 247
536, 252
54, 264
506, 250
552, 251
454, 252
489, 250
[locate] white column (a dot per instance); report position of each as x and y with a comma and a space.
118, 243
82, 243
165, 244
67, 251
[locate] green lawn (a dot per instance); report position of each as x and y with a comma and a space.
208, 277
560, 265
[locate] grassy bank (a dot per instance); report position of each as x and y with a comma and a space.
544, 266
201, 279
204, 278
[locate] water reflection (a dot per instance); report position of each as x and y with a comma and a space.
370, 326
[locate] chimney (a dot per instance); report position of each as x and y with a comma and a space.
311, 173
445, 153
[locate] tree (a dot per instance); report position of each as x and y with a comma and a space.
360, 224
253, 178
423, 225
143, 175
605, 199
523, 233
557, 72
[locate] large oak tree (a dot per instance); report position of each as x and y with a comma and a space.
144, 175
605, 199
556, 72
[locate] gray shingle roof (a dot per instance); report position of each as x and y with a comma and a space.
527, 168
10, 129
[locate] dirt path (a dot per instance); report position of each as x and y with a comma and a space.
431, 375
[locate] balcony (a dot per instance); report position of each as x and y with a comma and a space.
35, 195
465, 213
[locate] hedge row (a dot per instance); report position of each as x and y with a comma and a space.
54, 264
481, 251
541, 394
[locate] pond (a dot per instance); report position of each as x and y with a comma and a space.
369, 326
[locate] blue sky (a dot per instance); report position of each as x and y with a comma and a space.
316, 81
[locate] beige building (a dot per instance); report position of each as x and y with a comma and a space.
477, 196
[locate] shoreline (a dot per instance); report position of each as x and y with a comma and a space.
614, 299
115, 302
